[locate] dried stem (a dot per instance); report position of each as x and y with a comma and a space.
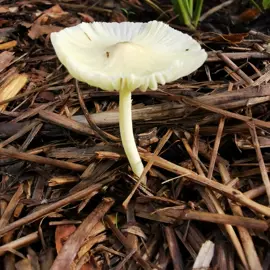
174, 248
231, 193
148, 166
263, 170
49, 208
247, 242
42, 160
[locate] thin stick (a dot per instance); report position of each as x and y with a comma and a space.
42, 160
98, 131
174, 248
255, 192
212, 57
225, 113
231, 193
49, 208
235, 68
263, 170
215, 9
11, 206
214, 206
148, 166
19, 134
216, 147
145, 265
247, 242
173, 215
19, 243
122, 263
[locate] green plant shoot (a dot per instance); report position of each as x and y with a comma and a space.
189, 11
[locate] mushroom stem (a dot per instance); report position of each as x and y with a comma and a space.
126, 132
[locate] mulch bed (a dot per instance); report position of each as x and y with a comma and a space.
68, 199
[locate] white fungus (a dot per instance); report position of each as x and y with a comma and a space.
126, 56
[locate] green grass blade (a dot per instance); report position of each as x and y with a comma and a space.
185, 13
256, 5
197, 12
189, 4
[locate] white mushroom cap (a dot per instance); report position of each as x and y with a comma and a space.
115, 56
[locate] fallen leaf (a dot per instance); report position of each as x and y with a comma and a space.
87, 266
230, 38
56, 9
62, 233
86, 17
43, 24
52, 14
5, 59
247, 16
38, 30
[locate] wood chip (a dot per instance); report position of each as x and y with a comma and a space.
8, 45
12, 87
5, 59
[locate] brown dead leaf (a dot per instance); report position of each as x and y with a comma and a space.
230, 38
62, 233
43, 24
54, 10
68, 253
247, 16
5, 59
55, 13
87, 266
86, 17
38, 30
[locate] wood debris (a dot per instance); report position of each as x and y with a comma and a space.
68, 198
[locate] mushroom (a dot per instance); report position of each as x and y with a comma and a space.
126, 56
